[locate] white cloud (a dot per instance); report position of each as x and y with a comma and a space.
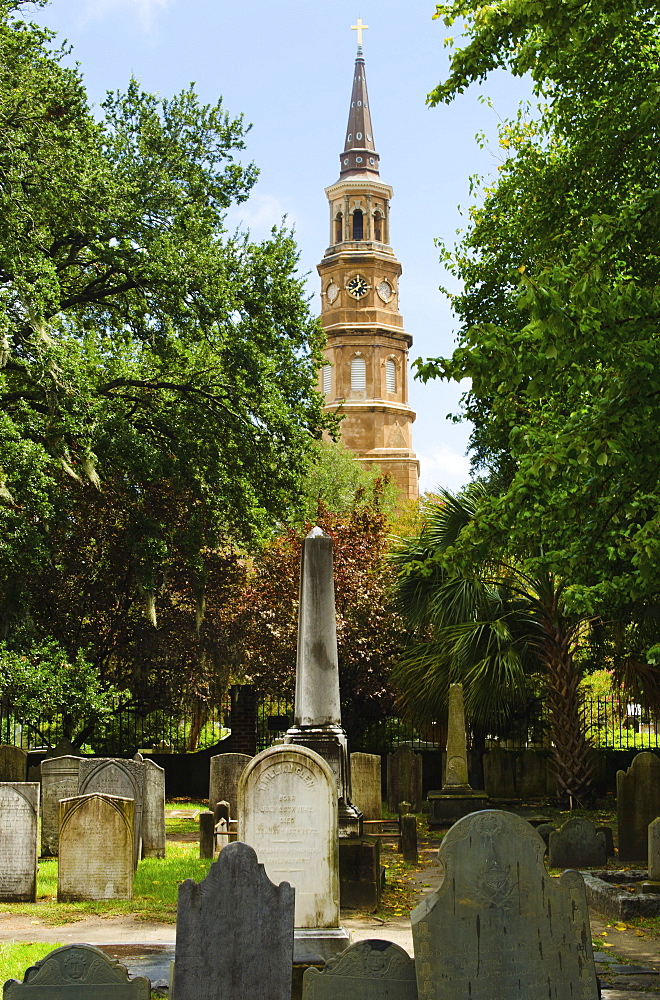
145, 11
259, 214
443, 466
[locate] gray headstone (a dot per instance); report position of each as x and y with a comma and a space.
544, 830
234, 933
13, 763
404, 779
153, 811
498, 926
365, 784
287, 811
96, 848
59, 780
637, 805
577, 845
77, 972
368, 970
19, 820
654, 850
224, 774
122, 778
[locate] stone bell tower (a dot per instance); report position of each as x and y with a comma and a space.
365, 377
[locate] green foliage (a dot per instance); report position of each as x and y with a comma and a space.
335, 478
559, 312
155, 370
45, 683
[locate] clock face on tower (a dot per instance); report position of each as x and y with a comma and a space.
357, 286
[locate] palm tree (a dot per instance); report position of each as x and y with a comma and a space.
495, 629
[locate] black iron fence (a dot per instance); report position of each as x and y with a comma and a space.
608, 722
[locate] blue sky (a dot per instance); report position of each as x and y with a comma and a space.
288, 67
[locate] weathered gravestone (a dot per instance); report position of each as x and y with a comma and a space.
577, 845
77, 972
456, 798
365, 784
122, 778
287, 812
153, 811
498, 928
404, 779
637, 805
13, 763
234, 933
369, 970
19, 815
59, 780
96, 848
224, 774
654, 850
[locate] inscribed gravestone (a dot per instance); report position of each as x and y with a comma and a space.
369, 970
577, 845
77, 972
59, 780
498, 928
153, 811
287, 811
96, 848
365, 784
19, 815
234, 932
404, 779
224, 774
13, 763
122, 778
637, 805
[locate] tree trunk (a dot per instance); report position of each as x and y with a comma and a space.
572, 759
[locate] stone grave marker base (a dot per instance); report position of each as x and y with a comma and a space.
446, 808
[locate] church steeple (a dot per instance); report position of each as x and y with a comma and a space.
365, 375
359, 156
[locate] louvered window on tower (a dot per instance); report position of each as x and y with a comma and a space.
390, 375
327, 379
358, 376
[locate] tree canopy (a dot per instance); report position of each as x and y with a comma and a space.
558, 316
152, 363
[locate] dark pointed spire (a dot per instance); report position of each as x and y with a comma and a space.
359, 156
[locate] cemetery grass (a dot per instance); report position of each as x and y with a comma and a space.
16, 957
155, 885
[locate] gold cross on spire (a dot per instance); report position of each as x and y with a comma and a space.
359, 27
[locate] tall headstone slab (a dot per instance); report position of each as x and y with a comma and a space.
225, 771
234, 933
95, 848
153, 811
13, 763
637, 805
317, 714
287, 812
115, 776
498, 928
59, 780
368, 970
404, 779
577, 845
365, 784
77, 972
456, 798
19, 817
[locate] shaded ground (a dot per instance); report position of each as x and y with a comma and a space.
628, 955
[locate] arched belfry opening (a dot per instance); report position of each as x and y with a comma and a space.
358, 225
